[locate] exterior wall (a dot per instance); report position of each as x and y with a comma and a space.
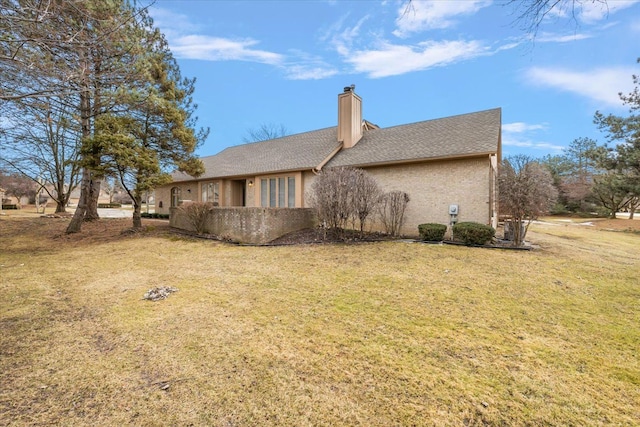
250, 225
190, 191
433, 186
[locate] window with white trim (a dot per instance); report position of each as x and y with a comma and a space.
278, 192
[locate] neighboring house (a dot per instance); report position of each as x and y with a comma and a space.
441, 162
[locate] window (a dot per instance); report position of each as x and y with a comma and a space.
175, 197
292, 192
211, 193
278, 192
264, 192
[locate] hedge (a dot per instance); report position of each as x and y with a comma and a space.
432, 232
109, 205
473, 233
9, 206
154, 215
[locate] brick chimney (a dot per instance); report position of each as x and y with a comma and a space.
349, 117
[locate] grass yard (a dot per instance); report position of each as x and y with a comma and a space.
380, 334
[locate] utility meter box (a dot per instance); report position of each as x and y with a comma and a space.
453, 209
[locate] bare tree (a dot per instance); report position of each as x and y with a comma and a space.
47, 150
366, 197
344, 196
17, 185
392, 208
265, 132
531, 13
80, 53
526, 192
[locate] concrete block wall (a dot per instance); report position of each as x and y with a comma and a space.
250, 225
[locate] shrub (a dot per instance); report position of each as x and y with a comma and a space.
432, 232
196, 214
344, 196
109, 205
10, 206
154, 215
473, 233
392, 207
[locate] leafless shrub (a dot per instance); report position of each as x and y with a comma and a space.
344, 196
365, 195
526, 192
392, 208
196, 214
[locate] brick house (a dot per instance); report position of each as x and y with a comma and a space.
439, 163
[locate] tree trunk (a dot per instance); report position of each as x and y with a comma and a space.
78, 216
137, 218
92, 202
86, 186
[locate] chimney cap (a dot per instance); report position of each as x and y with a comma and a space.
349, 88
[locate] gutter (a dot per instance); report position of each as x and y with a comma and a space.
318, 168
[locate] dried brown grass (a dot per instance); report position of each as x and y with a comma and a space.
372, 334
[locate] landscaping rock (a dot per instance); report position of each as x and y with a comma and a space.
159, 293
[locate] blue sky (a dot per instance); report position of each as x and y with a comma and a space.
285, 62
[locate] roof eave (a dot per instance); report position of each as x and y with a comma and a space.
424, 160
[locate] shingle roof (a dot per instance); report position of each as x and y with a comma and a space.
462, 135
294, 152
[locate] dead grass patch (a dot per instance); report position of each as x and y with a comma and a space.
381, 334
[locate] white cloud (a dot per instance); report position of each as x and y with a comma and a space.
301, 72
558, 38
520, 127
592, 12
589, 12
522, 135
172, 24
420, 15
390, 59
601, 85
303, 66
510, 141
220, 49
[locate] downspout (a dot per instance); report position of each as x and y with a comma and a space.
318, 168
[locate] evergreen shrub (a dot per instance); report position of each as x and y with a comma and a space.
473, 233
432, 232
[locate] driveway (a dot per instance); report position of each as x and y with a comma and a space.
115, 213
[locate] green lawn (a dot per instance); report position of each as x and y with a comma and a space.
375, 334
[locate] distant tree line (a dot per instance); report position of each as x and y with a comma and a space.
586, 179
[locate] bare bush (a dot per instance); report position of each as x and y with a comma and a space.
196, 214
344, 196
365, 195
526, 192
392, 208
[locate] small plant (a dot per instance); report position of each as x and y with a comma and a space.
392, 207
432, 232
473, 233
197, 214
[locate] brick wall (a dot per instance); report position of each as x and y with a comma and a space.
250, 225
433, 186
